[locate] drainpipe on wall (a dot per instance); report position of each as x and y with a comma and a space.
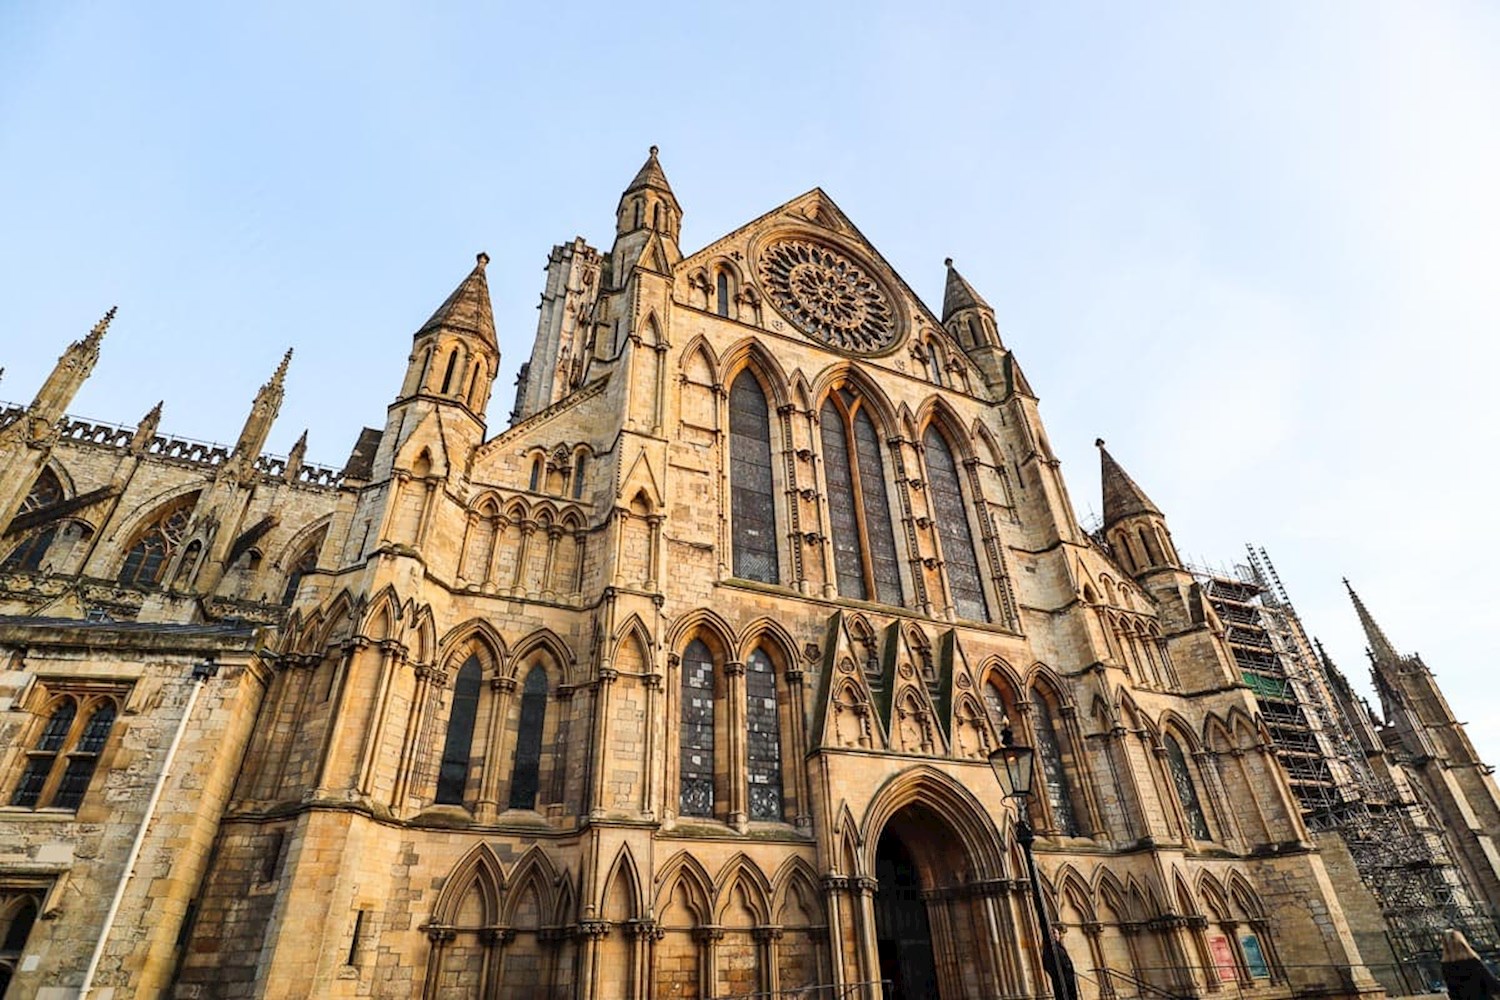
202, 673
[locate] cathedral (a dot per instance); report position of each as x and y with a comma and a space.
683, 685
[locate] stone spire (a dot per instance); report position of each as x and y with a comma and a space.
467, 310
263, 412
295, 458
68, 375
1380, 647
1122, 497
648, 220
145, 431
958, 294
651, 176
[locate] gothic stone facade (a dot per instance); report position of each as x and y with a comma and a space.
682, 686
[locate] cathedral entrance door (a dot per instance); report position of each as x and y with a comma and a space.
902, 932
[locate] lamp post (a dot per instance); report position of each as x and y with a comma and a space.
1011, 763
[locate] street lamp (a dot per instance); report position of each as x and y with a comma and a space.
1011, 763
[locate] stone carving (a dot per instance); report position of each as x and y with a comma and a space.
828, 297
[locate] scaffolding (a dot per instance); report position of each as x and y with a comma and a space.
1397, 849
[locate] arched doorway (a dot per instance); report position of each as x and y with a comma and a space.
903, 934
932, 916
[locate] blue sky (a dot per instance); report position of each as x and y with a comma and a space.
1255, 249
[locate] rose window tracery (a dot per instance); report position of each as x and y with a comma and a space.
828, 296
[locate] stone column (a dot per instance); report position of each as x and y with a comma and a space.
766, 957
501, 691
600, 767
734, 715
869, 949
835, 889
390, 652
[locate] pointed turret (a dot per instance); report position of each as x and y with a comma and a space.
1381, 650
966, 315
455, 354
145, 431
467, 310
1135, 527
647, 223
263, 413
958, 294
68, 375
1122, 497
295, 458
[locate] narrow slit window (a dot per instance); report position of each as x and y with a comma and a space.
525, 775
763, 747
453, 772
721, 293
696, 736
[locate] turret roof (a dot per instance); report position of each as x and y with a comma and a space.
958, 294
1122, 497
467, 310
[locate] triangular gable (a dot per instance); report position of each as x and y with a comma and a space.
911, 719
641, 477
815, 207
844, 709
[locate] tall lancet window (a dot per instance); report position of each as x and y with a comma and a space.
763, 748
696, 735
864, 544
953, 528
1054, 775
752, 503
525, 774
1187, 791
453, 773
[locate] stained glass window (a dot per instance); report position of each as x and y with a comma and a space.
306, 563
696, 773
953, 528
1054, 774
1187, 792
453, 772
882, 539
848, 561
763, 748
526, 773
147, 559
752, 500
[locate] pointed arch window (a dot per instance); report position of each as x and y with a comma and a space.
27, 556
866, 565
1053, 773
17, 916
1187, 790
61, 763
305, 564
934, 363
453, 772
763, 747
696, 735
752, 499
721, 292
580, 465
964, 581
525, 775
148, 557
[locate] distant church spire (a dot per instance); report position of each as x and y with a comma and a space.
468, 309
648, 221
1380, 647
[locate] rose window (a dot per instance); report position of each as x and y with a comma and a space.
827, 296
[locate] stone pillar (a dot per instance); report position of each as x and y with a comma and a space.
600, 747
869, 949
390, 654
734, 715
501, 691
